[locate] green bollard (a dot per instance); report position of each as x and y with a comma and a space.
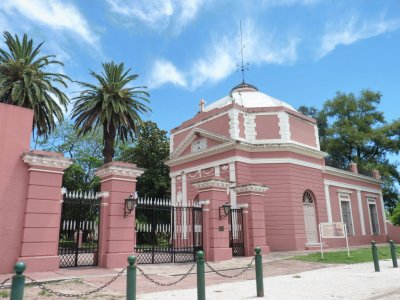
393, 253
259, 273
18, 282
375, 256
201, 280
131, 279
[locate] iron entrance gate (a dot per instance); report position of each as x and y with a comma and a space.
166, 233
236, 240
79, 230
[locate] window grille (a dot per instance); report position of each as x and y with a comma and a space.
346, 216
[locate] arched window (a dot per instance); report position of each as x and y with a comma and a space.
308, 197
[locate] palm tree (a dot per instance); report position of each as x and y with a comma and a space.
112, 105
24, 82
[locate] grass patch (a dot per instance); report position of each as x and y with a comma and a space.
4, 294
340, 257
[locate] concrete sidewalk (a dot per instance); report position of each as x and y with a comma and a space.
358, 281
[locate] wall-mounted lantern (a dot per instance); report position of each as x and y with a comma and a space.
130, 204
224, 210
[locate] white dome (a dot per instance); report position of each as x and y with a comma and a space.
248, 96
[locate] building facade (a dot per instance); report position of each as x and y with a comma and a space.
260, 145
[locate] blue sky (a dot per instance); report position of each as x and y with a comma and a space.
300, 51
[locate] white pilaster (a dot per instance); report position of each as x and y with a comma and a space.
383, 212
217, 171
232, 178
184, 190
361, 212
317, 137
234, 123
284, 126
173, 190
250, 132
328, 203
171, 143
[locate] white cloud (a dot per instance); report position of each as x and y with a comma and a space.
158, 14
165, 72
53, 13
353, 30
289, 2
222, 55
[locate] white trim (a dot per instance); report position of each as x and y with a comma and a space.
345, 191
328, 203
45, 171
284, 125
116, 178
234, 123
232, 179
171, 143
201, 122
372, 200
184, 190
119, 170
383, 213
346, 198
352, 186
173, 190
350, 175
361, 212
317, 137
250, 161
217, 171
250, 131
43, 160
371, 195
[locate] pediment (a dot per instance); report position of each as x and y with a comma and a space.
197, 141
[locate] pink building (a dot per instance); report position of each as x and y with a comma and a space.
268, 156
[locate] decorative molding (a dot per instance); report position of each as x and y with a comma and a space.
258, 188
361, 212
234, 123
352, 186
171, 144
350, 175
42, 160
284, 126
316, 136
212, 183
328, 202
119, 169
250, 132
204, 202
243, 205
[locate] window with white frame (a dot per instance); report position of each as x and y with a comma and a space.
373, 215
345, 209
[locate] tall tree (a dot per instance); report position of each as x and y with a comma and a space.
25, 82
112, 105
150, 151
353, 130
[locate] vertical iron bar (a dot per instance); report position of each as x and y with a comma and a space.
193, 233
201, 281
393, 254
259, 273
131, 279
375, 256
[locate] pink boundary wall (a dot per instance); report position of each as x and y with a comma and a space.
393, 232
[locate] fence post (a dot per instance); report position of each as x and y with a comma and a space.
375, 256
131, 279
18, 282
259, 273
201, 281
393, 253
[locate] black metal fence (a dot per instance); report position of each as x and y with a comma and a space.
79, 230
236, 231
166, 233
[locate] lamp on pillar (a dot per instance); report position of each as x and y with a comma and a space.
130, 204
224, 210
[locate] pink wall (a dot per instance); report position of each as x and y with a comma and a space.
267, 127
241, 126
393, 233
302, 131
210, 143
15, 132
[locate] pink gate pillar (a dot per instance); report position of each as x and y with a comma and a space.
43, 210
252, 198
216, 238
117, 232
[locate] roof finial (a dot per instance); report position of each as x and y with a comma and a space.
243, 66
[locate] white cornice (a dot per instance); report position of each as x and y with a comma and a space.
43, 160
212, 183
352, 186
350, 175
119, 170
249, 147
258, 188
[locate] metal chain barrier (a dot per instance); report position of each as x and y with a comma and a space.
169, 283
383, 254
44, 288
231, 276
3, 283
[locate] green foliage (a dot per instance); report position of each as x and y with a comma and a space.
150, 151
85, 151
4, 294
112, 106
340, 257
353, 130
395, 217
25, 82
